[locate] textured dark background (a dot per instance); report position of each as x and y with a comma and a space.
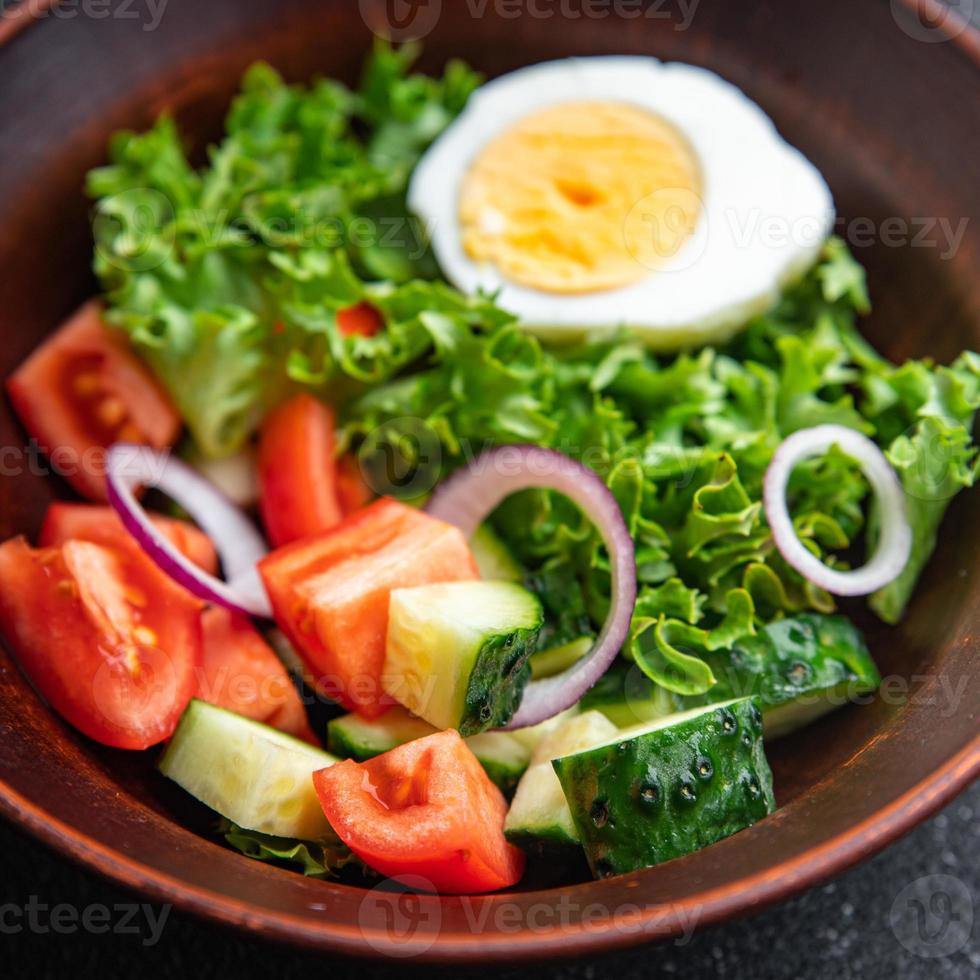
863, 925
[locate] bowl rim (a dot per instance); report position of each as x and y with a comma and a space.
767, 886
812, 866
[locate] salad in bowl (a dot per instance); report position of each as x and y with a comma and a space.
475, 474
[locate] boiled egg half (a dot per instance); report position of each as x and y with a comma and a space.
621, 191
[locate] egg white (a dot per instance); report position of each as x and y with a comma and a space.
766, 210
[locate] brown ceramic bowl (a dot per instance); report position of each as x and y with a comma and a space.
885, 106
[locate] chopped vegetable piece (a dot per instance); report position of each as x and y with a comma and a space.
297, 471
114, 646
256, 776
352, 492
425, 809
800, 667
360, 320
668, 788
330, 593
238, 543
457, 653
556, 660
83, 390
502, 754
242, 673
539, 817
355, 737
494, 559
101, 525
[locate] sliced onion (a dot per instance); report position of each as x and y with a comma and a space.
238, 543
894, 536
470, 495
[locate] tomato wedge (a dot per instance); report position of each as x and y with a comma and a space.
425, 809
330, 593
90, 522
297, 471
83, 390
242, 673
114, 650
352, 492
359, 320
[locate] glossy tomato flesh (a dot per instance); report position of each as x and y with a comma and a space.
297, 471
330, 593
425, 809
359, 320
91, 522
114, 650
242, 673
83, 390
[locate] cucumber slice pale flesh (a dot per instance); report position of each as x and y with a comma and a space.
502, 754
255, 776
494, 559
539, 818
668, 788
457, 652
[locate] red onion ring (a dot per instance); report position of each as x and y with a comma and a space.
239, 544
894, 538
470, 495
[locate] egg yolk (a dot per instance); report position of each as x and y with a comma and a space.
581, 197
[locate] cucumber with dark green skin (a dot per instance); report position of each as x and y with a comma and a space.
456, 653
503, 756
668, 788
800, 667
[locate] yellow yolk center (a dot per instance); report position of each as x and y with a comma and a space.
581, 197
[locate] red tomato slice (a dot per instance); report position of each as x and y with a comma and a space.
83, 390
242, 673
425, 809
297, 472
360, 320
115, 651
330, 593
352, 492
90, 522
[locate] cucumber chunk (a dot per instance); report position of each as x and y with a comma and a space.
539, 815
670, 787
457, 652
355, 737
531, 737
502, 754
800, 667
556, 660
494, 559
255, 776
